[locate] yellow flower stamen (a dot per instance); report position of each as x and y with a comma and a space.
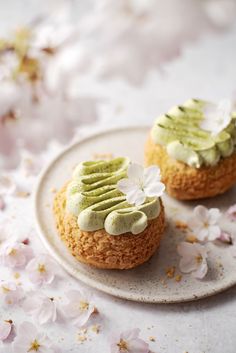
13, 252
83, 305
198, 259
41, 268
34, 346
123, 347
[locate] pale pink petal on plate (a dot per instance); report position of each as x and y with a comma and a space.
201, 270
214, 215
138, 346
5, 330
201, 212
214, 232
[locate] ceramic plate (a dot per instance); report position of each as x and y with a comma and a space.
149, 282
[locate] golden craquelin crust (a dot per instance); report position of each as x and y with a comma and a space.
186, 183
101, 249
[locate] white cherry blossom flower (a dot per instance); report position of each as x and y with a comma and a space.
79, 307
15, 254
5, 329
41, 307
204, 223
30, 340
11, 293
193, 259
231, 213
128, 342
41, 270
141, 183
216, 116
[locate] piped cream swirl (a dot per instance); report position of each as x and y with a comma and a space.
93, 197
179, 131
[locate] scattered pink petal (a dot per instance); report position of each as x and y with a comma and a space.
15, 254
11, 293
79, 307
41, 270
231, 213
128, 342
193, 259
5, 329
225, 238
29, 339
41, 307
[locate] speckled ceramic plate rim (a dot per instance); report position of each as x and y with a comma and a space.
95, 283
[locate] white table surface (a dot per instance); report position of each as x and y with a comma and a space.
206, 68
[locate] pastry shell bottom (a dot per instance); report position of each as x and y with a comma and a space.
187, 183
101, 249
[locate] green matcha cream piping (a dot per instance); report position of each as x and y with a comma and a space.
93, 197
179, 131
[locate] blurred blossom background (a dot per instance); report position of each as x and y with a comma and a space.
69, 67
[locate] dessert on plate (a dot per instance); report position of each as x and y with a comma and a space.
110, 214
194, 146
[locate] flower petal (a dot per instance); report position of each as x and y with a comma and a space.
201, 249
136, 197
201, 270
214, 232
202, 234
216, 116
214, 215
135, 172
154, 189
5, 330
201, 213
152, 174
186, 249
126, 185
187, 264
83, 317
231, 212
137, 345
